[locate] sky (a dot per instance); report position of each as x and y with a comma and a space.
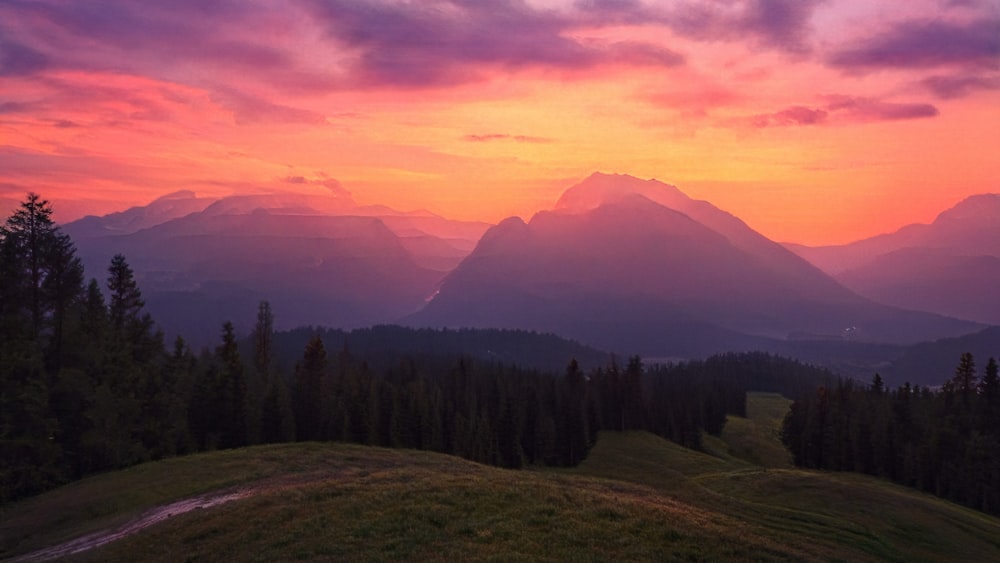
815, 121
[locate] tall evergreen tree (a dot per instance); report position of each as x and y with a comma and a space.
309, 377
231, 391
126, 299
263, 341
964, 380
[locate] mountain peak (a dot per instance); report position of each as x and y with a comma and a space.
980, 207
175, 196
601, 189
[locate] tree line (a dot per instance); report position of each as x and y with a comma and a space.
944, 441
87, 383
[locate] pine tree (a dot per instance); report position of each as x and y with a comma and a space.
964, 380
231, 391
263, 342
988, 413
309, 376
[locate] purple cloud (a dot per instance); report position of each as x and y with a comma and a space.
16, 107
779, 23
124, 36
839, 109
20, 60
951, 87
868, 109
796, 115
922, 44
443, 42
775, 24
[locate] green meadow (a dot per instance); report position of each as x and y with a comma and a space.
636, 497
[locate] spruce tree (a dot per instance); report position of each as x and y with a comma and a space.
309, 376
231, 391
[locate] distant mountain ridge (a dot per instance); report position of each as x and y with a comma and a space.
623, 264
637, 266
319, 259
950, 266
160, 210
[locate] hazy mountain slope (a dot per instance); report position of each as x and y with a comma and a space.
433, 241
600, 189
203, 269
950, 267
970, 228
161, 210
932, 279
631, 275
933, 363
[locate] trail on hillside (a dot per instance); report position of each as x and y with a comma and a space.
145, 520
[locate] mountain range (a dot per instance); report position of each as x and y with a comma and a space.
638, 267
950, 266
319, 260
629, 265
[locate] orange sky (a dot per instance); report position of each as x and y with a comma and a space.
814, 121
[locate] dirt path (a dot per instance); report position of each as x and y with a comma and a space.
147, 519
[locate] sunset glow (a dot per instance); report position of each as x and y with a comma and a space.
815, 122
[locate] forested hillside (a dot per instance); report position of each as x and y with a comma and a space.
945, 440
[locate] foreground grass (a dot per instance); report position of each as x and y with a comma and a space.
831, 516
351, 502
636, 497
757, 438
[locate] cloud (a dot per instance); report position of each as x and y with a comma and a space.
485, 138
924, 44
839, 109
16, 107
778, 23
444, 42
959, 86
249, 109
20, 60
162, 39
796, 115
636, 53
869, 109
784, 25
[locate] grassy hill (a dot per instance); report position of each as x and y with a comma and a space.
637, 497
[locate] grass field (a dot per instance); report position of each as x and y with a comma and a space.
636, 497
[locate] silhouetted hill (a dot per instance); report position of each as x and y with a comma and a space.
620, 271
950, 267
933, 363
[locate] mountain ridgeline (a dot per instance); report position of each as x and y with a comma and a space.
320, 259
950, 266
627, 265
638, 267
